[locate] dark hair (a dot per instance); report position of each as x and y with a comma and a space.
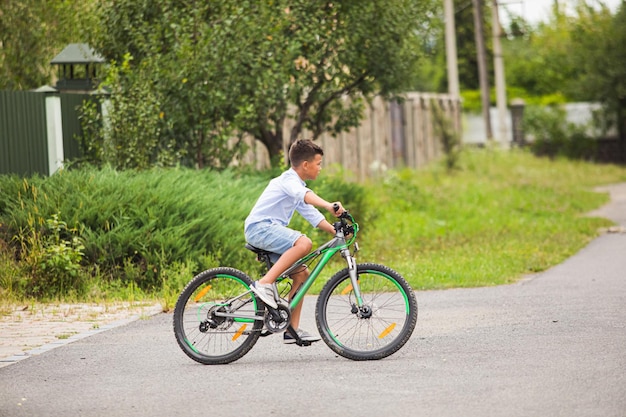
303, 150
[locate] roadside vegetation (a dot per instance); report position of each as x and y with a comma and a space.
101, 235
498, 217
115, 227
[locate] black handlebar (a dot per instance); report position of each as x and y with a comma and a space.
344, 215
345, 223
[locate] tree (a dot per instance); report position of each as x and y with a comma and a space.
248, 67
554, 57
578, 56
32, 32
601, 57
174, 54
325, 62
540, 62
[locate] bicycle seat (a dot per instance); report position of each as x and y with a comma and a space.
257, 250
261, 255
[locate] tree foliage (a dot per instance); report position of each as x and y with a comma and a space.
603, 64
224, 68
32, 32
579, 56
568, 54
430, 74
601, 55
173, 100
322, 60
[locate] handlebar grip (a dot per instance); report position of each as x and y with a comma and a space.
335, 207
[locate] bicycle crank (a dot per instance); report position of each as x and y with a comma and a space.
278, 319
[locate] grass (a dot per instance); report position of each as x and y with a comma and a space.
499, 216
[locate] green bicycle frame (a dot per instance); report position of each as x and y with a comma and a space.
327, 251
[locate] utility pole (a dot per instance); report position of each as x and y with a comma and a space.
451, 55
483, 77
498, 64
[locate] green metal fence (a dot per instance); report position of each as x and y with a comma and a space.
25, 124
23, 133
70, 110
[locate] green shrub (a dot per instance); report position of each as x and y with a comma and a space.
146, 229
554, 136
471, 101
54, 260
12, 282
450, 140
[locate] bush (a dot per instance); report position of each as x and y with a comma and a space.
554, 136
53, 260
135, 228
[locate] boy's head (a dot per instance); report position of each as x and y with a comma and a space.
303, 150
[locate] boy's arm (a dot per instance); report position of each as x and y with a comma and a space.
326, 226
311, 198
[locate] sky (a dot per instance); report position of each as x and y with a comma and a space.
538, 10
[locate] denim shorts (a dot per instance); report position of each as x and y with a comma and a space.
272, 237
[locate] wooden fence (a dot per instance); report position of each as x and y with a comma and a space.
392, 135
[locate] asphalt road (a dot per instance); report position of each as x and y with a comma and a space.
551, 345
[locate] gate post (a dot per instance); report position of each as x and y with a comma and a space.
55, 129
517, 121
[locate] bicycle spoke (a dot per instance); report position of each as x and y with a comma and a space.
377, 328
213, 319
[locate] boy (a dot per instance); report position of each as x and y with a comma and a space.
266, 225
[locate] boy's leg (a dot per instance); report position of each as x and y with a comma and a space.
277, 239
298, 279
301, 248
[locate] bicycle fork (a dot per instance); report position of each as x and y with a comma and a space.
350, 260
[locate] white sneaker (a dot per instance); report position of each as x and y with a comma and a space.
265, 292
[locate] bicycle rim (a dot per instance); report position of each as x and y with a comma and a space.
375, 332
205, 336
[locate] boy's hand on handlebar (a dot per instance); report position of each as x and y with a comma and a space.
337, 209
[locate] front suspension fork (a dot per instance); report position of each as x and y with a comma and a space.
353, 276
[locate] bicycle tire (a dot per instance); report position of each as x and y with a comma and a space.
357, 336
213, 340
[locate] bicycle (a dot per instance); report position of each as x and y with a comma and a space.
363, 312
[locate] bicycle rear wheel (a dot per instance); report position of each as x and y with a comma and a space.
380, 327
201, 329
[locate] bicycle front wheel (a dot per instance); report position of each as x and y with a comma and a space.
214, 317
377, 329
